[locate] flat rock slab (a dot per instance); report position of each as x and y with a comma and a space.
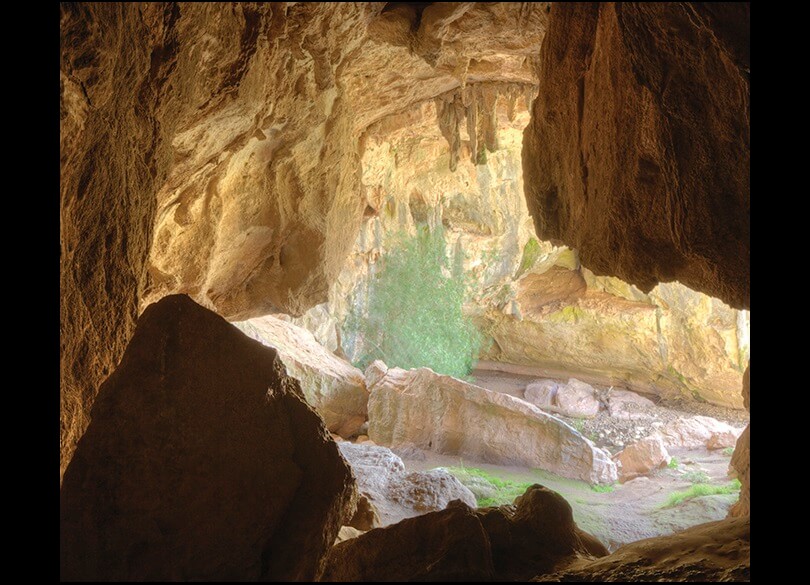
419, 408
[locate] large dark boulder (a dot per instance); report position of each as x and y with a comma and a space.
201, 462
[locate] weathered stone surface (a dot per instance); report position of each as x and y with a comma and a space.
201, 462
716, 551
536, 535
694, 432
512, 543
395, 494
741, 458
214, 149
577, 399
346, 533
334, 387
423, 409
639, 147
448, 545
574, 398
541, 393
628, 405
642, 457
741, 463
365, 515
673, 342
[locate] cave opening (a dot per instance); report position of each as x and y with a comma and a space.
404, 291
447, 273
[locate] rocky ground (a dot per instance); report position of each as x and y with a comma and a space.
610, 432
695, 487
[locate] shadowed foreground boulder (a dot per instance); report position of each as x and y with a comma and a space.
449, 545
716, 551
201, 462
535, 535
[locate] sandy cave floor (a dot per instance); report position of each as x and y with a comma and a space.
627, 512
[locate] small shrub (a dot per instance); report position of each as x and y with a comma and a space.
413, 316
673, 463
702, 489
603, 489
697, 477
728, 451
505, 490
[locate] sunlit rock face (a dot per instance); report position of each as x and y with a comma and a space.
673, 342
332, 386
419, 408
638, 152
213, 149
535, 303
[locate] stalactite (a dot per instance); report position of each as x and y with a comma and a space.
488, 117
471, 113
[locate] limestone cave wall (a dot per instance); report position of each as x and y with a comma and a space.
213, 149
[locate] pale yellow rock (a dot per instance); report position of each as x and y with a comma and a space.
674, 342
335, 388
433, 412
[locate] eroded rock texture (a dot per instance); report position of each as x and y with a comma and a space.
510, 543
639, 149
741, 458
396, 494
439, 413
202, 462
716, 551
448, 545
213, 149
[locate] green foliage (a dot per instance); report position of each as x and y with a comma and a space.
702, 489
603, 489
673, 463
728, 451
413, 316
578, 424
696, 477
531, 252
482, 156
489, 489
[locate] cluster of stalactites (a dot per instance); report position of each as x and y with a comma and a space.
477, 104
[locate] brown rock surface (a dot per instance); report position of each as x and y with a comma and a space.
201, 462
396, 494
448, 545
214, 149
536, 535
334, 387
439, 413
642, 457
638, 151
716, 551
365, 515
741, 458
510, 543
